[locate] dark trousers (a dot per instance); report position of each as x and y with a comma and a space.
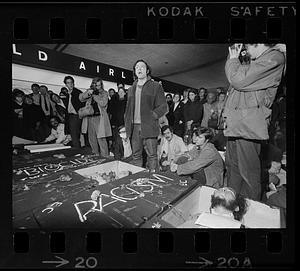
75, 129
138, 143
243, 164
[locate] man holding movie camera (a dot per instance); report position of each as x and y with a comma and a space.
254, 72
94, 116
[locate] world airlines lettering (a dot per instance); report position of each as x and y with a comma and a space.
36, 56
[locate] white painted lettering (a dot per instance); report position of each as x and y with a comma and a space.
98, 69
31, 171
111, 72
42, 56
123, 75
15, 52
82, 66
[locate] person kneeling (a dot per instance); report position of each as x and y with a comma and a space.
57, 132
171, 147
204, 156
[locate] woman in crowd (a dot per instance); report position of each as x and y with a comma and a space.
176, 116
170, 103
35, 95
47, 105
220, 102
17, 105
202, 93
185, 96
219, 139
204, 156
193, 111
33, 117
97, 125
210, 111
117, 112
60, 110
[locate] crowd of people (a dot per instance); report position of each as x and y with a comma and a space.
181, 132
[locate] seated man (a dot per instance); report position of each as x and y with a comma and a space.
121, 146
171, 147
57, 132
276, 191
204, 157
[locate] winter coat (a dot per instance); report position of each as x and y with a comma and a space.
153, 106
117, 111
207, 159
193, 111
104, 128
245, 112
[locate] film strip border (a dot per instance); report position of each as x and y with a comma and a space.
147, 23
153, 23
144, 248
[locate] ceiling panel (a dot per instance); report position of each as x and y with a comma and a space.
193, 65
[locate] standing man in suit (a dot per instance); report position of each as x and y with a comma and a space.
146, 104
73, 104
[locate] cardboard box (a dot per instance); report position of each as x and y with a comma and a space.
121, 169
258, 215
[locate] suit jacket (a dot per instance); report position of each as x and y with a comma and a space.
153, 107
177, 115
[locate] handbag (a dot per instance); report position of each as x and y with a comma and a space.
85, 111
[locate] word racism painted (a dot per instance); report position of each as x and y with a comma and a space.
175, 11
42, 170
39, 57
269, 11
123, 193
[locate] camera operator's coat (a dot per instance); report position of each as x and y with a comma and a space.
153, 107
246, 115
104, 129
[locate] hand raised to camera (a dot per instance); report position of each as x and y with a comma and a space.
96, 98
235, 50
